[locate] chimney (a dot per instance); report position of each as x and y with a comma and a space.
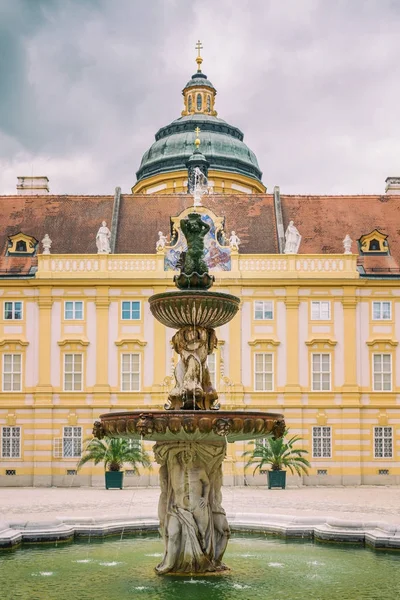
392, 186
32, 186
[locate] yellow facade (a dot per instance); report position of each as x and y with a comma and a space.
289, 289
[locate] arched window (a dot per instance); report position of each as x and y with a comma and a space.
208, 103
190, 104
199, 102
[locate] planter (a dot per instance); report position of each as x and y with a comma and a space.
114, 480
276, 479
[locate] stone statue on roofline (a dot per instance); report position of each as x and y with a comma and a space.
103, 239
234, 241
292, 239
46, 243
161, 242
347, 242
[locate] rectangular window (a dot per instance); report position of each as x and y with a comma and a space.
382, 372
381, 311
12, 372
131, 311
13, 311
263, 310
263, 372
211, 362
72, 442
11, 442
321, 372
130, 375
383, 442
73, 310
320, 311
73, 364
322, 442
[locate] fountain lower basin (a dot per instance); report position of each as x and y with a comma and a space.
195, 425
194, 307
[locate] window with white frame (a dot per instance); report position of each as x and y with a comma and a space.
321, 372
130, 310
12, 372
322, 442
381, 311
382, 372
320, 310
73, 310
11, 442
73, 371
211, 362
383, 442
12, 311
72, 442
263, 310
263, 372
130, 372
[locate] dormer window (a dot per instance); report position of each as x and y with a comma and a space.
20, 244
374, 243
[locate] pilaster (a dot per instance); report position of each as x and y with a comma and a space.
102, 303
43, 392
350, 387
292, 387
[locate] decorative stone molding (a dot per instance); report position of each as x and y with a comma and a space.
382, 342
264, 342
13, 342
321, 342
130, 342
73, 342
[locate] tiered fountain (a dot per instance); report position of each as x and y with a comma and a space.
192, 433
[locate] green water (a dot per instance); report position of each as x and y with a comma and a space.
262, 568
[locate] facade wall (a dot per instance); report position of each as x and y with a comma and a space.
352, 406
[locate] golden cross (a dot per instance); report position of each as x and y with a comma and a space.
199, 46
197, 131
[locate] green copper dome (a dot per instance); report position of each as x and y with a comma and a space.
221, 143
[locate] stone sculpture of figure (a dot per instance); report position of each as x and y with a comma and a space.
292, 239
194, 230
193, 388
347, 242
191, 479
103, 239
234, 241
161, 242
46, 241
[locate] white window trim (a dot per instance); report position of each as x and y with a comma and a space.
319, 302
74, 456
72, 372
263, 310
19, 442
330, 372
140, 372
381, 302
383, 445
391, 373
330, 438
13, 310
12, 372
74, 318
272, 372
130, 310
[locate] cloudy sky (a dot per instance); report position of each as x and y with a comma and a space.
313, 84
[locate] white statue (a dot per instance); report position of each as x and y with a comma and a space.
103, 239
234, 241
161, 242
200, 186
292, 239
46, 241
347, 242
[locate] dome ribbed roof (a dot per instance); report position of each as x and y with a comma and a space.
199, 79
221, 143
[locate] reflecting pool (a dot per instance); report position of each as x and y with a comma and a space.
261, 568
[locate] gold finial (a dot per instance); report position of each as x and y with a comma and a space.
199, 60
197, 140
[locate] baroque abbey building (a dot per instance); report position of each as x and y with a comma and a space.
316, 337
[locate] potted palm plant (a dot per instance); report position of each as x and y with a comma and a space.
114, 453
279, 454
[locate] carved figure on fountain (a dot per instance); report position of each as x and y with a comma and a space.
193, 389
194, 271
192, 520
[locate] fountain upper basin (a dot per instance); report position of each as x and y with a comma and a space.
191, 425
194, 307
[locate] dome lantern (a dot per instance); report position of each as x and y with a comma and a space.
199, 93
